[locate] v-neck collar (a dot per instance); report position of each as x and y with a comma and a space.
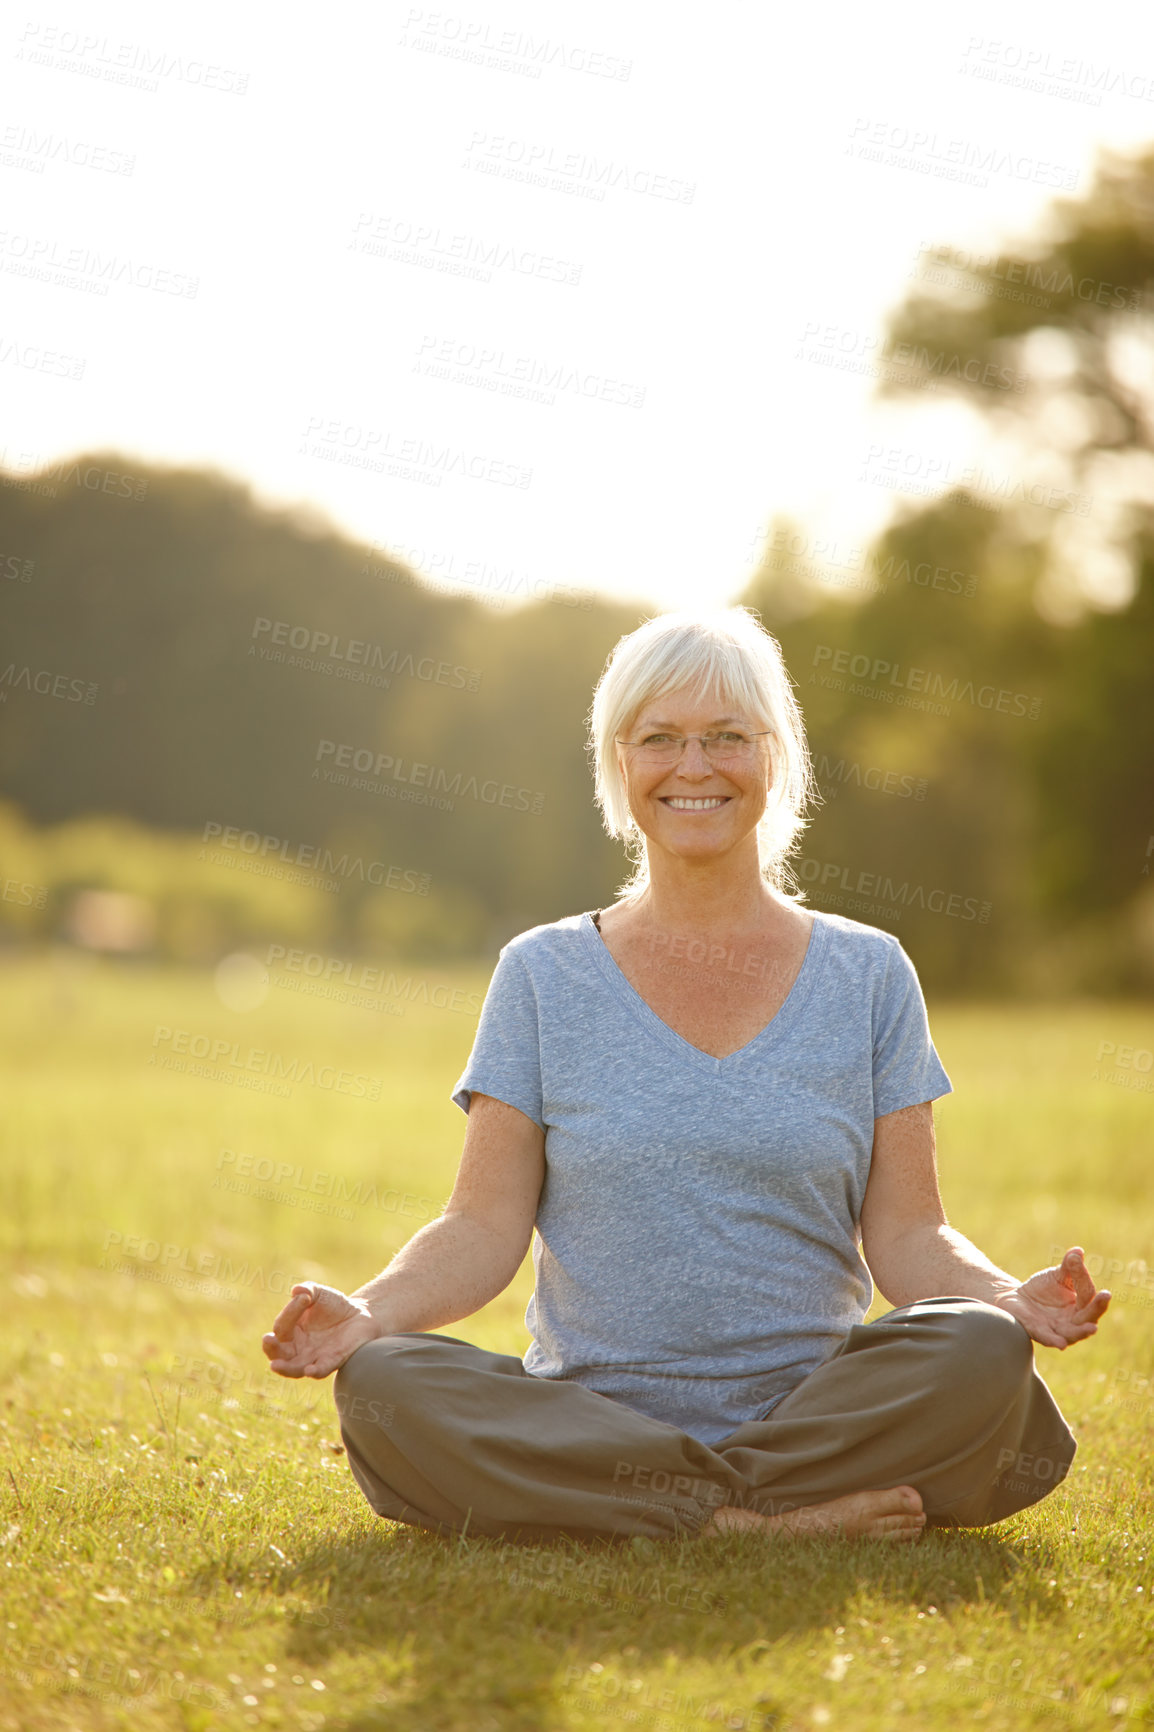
776, 1028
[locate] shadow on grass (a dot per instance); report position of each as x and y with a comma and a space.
485, 1634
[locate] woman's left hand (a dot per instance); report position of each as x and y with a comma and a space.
1059, 1305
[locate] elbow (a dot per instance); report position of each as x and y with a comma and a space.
887, 1275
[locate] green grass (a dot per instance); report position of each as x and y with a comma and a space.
181, 1544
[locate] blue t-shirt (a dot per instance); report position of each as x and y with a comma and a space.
696, 1250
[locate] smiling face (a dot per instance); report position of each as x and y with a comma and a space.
693, 808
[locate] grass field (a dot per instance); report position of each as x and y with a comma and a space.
182, 1544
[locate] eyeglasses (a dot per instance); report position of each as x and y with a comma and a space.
724, 746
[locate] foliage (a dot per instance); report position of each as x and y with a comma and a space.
976, 685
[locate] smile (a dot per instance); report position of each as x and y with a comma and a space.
681, 804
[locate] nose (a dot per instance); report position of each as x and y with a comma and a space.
693, 761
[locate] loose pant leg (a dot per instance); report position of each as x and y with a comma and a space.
941, 1395
441, 1434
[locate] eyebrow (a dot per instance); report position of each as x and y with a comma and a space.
718, 723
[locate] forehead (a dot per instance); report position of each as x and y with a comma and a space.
685, 707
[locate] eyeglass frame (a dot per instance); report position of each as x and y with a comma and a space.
763, 734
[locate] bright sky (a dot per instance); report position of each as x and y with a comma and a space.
342, 253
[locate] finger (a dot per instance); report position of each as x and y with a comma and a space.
1044, 1333
1090, 1313
289, 1317
1078, 1332
284, 1367
276, 1349
1075, 1274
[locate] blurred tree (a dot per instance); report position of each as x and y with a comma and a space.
233, 654
1029, 595
976, 685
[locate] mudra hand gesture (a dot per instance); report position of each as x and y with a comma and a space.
1059, 1305
317, 1331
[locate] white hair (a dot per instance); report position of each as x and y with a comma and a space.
724, 653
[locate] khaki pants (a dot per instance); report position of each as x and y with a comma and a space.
941, 1395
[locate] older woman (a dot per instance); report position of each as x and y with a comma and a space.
714, 1106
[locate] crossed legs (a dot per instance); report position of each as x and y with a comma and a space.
932, 1416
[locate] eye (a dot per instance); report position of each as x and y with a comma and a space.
657, 739
729, 737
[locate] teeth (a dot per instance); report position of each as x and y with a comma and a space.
682, 805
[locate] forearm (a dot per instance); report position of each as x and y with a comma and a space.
931, 1262
449, 1269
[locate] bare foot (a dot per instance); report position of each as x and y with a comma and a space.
877, 1515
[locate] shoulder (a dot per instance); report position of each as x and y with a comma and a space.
858, 949
541, 945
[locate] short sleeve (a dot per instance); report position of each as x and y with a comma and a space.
506, 1058
907, 1069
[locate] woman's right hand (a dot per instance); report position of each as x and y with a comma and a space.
317, 1331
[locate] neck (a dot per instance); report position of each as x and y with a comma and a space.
719, 896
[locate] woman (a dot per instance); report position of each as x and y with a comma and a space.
714, 1105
